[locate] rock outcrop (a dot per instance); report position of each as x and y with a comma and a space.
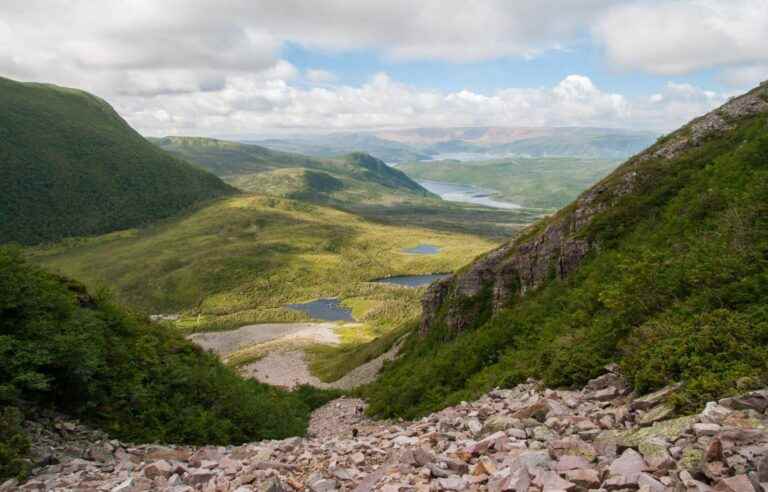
556, 246
526, 438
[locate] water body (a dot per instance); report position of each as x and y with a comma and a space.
324, 309
423, 249
466, 193
411, 280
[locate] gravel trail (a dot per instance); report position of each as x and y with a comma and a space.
290, 369
226, 342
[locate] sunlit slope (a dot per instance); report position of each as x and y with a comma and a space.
241, 259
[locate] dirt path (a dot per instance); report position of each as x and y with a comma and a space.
290, 369
226, 342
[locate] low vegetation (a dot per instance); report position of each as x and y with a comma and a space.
71, 167
241, 260
542, 182
63, 348
674, 292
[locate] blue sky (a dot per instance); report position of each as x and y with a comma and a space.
546, 69
269, 67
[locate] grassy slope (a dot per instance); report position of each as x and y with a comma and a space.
63, 348
545, 182
71, 166
241, 259
676, 292
356, 183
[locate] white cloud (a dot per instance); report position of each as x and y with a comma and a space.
685, 35
319, 76
214, 67
248, 105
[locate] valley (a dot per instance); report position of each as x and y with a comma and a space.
237, 308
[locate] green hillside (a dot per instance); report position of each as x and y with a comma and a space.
661, 267
250, 166
544, 182
357, 183
71, 167
65, 349
240, 260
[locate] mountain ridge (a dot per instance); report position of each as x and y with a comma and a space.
72, 166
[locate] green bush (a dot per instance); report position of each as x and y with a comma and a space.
14, 444
141, 382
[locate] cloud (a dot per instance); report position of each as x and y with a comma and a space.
214, 66
673, 38
319, 76
252, 106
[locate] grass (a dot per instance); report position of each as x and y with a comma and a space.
330, 363
543, 182
240, 260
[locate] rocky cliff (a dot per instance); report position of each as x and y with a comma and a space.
556, 246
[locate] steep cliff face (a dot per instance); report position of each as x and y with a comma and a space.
555, 247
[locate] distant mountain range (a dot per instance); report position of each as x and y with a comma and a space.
418, 144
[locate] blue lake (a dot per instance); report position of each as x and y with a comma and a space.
411, 280
324, 309
423, 249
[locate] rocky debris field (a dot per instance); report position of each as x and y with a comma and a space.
525, 438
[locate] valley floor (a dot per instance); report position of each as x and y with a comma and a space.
526, 438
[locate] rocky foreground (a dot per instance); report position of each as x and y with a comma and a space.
526, 438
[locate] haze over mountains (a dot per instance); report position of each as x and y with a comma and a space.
417, 144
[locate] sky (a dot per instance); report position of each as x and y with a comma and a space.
258, 68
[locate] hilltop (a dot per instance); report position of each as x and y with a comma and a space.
258, 169
72, 167
661, 267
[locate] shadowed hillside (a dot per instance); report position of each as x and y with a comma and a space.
71, 167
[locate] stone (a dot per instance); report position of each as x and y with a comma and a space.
549, 480
621, 482
422, 456
656, 454
452, 483
756, 400
160, 468
656, 414
534, 459
570, 462
272, 485
644, 480
537, 411
762, 469
585, 478
704, 429
714, 451
572, 446
629, 464
653, 399
357, 458
498, 423
323, 485
739, 483
199, 477
607, 394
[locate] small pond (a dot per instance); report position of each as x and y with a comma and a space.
324, 309
411, 280
423, 249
